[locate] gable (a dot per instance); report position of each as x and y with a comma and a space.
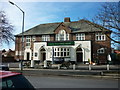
69, 27
62, 26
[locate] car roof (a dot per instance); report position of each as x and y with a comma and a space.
4, 74
3, 66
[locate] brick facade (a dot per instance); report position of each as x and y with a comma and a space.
72, 36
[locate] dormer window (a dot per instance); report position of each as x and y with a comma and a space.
62, 36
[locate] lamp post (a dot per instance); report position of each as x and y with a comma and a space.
22, 32
52, 55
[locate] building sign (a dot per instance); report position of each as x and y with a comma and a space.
60, 43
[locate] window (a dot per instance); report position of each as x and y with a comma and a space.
28, 40
80, 36
67, 36
100, 37
45, 37
62, 36
32, 54
33, 38
101, 50
7, 84
35, 54
15, 82
57, 37
62, 52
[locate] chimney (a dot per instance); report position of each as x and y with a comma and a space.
67, 19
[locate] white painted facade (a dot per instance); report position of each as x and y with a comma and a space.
48, 50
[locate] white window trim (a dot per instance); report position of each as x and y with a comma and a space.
80, 36
33, 38
36, 54
28, 41
45, 37
67, 36
16, 53
101, 51
100, 37
62, 36
59, 51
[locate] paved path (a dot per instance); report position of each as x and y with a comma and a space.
71, 73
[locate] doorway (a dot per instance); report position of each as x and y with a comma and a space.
28, 56
42, 54
79, 55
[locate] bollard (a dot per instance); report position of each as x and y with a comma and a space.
32, 63
89, 66
45, 64
73, 66
108, 67
20, 65
8, 65
58, 66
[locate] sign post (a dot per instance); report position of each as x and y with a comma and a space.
52, 55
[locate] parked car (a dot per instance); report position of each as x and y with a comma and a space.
13, 80
4, 67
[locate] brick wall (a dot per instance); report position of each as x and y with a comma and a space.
88, 36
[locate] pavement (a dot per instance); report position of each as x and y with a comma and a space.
99, 71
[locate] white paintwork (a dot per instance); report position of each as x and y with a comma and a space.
27, 50
32, 63
16, 53
85, 46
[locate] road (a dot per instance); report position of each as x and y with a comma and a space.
71, 82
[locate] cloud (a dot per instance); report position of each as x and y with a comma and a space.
45, 12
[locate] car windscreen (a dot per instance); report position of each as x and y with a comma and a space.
17, 81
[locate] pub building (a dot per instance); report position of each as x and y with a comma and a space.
74, 41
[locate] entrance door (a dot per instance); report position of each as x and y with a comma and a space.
28, 56
79, 55
43, 54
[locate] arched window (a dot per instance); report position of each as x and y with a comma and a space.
62, 36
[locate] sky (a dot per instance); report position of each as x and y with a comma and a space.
50, 11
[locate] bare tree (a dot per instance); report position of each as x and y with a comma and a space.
108, 16
5, 29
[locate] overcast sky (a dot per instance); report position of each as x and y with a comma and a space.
37, 12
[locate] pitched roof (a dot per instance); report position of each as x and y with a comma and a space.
76, 27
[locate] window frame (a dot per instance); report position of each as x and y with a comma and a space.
101, 51
100, 37
62, 36
33, 38
61, 52
45, 37
28, 41
80, 36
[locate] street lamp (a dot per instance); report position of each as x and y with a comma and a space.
52, 55
22, 32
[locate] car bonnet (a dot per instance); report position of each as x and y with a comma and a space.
4, 74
